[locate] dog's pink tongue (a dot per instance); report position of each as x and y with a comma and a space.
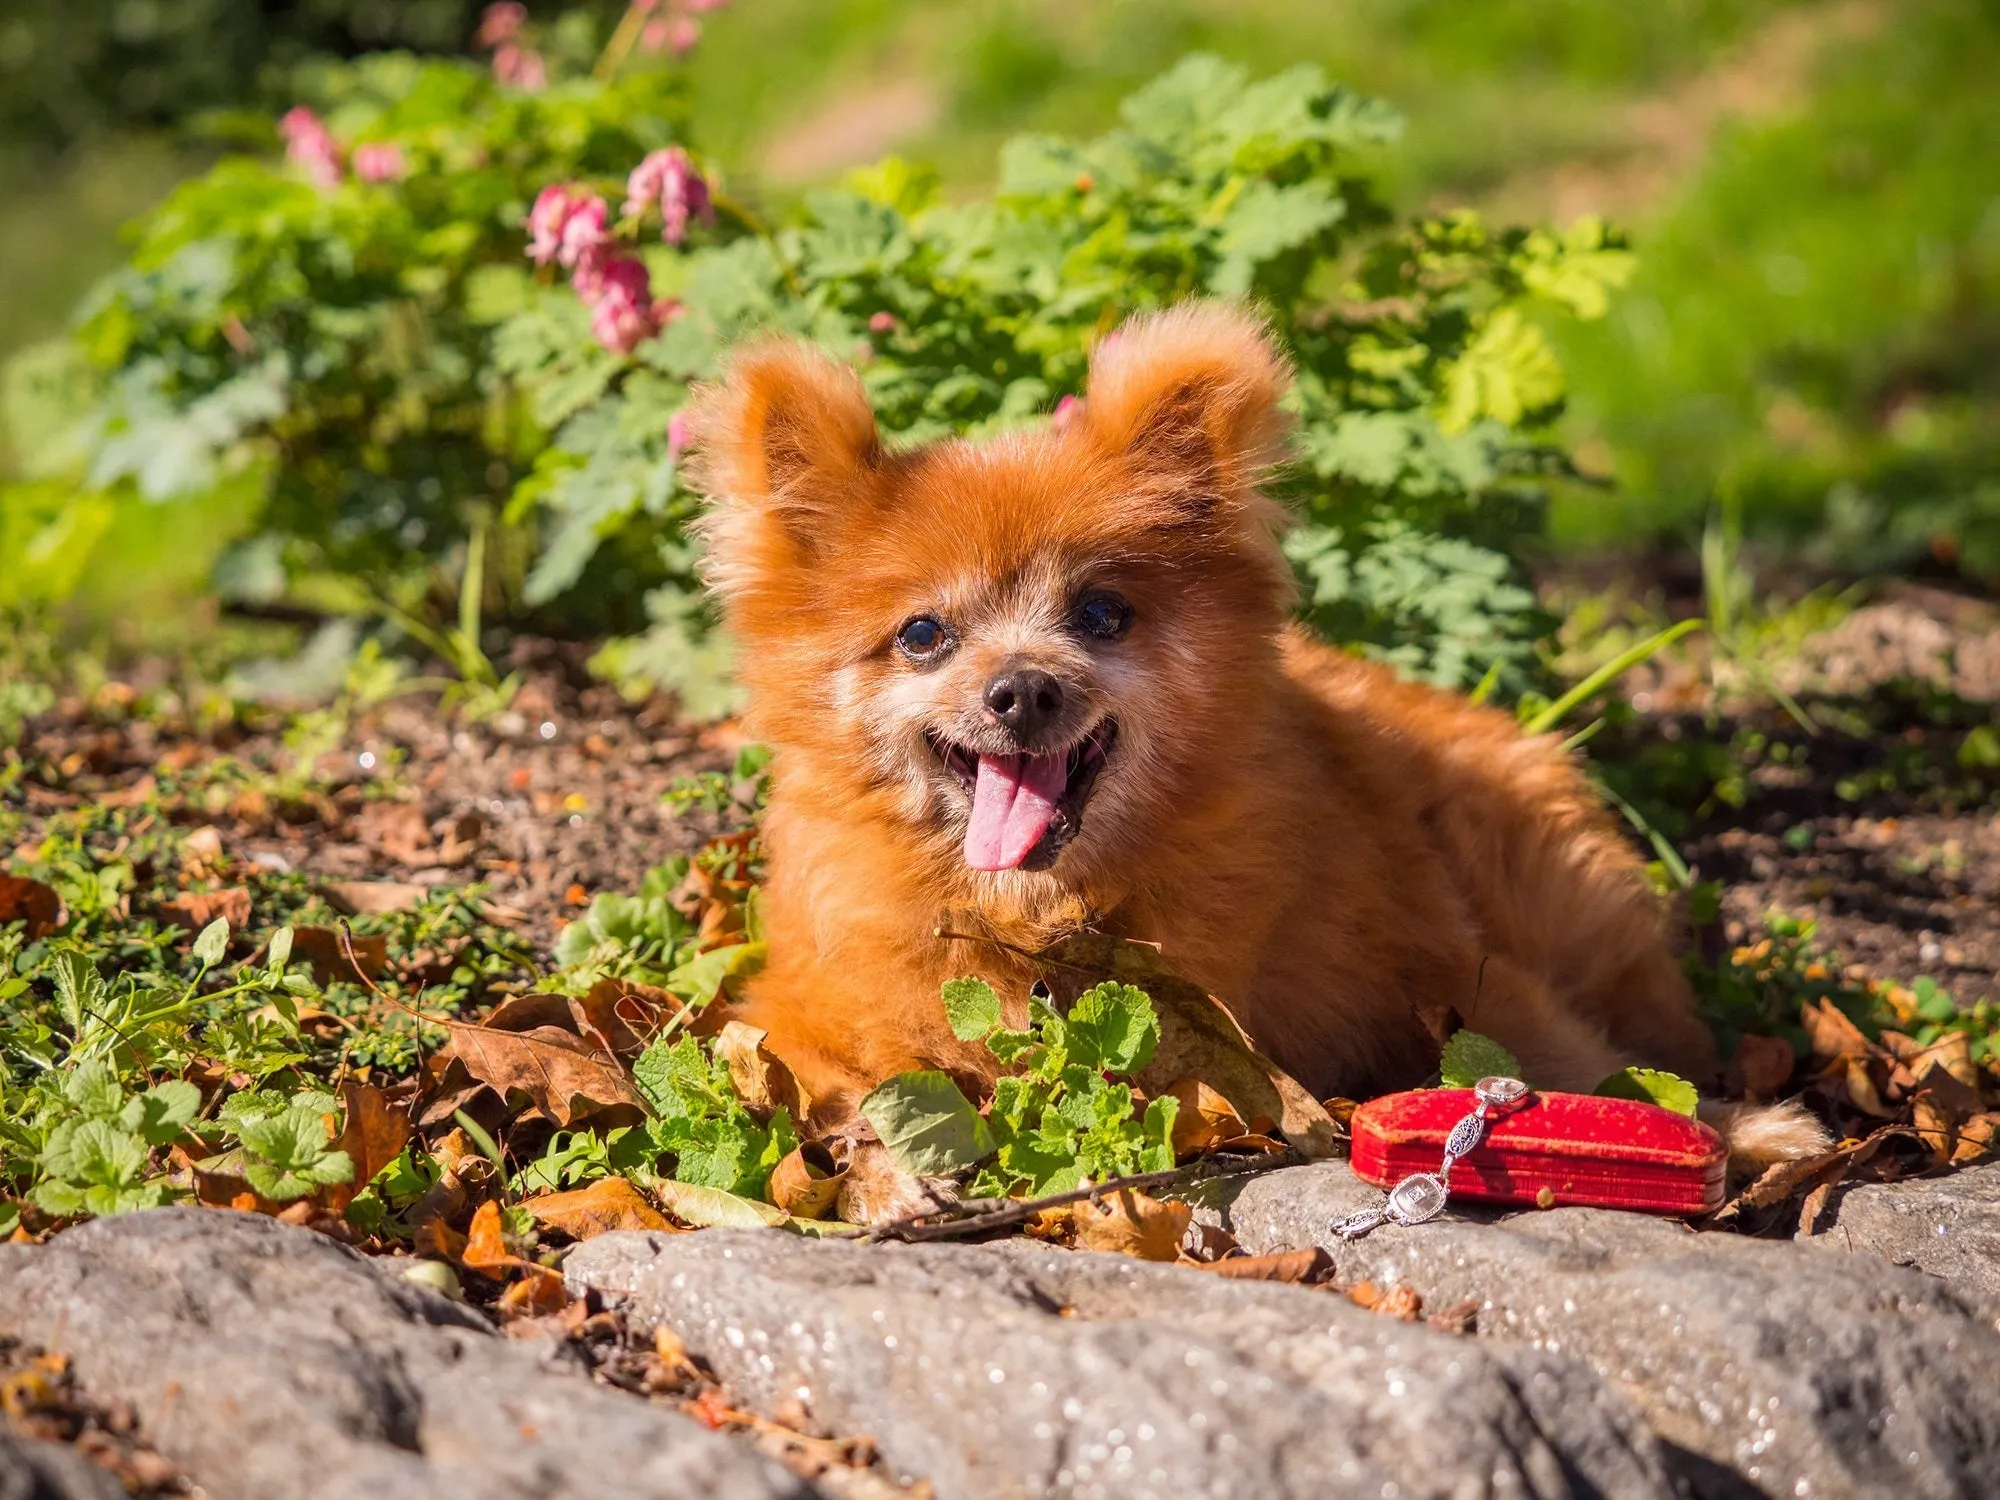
1013, 803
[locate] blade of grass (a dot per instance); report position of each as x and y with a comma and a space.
1611, 671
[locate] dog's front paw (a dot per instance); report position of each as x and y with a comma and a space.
877, 1191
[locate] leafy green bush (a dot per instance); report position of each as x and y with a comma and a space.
381, 356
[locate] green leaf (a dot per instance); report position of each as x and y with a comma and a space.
712, 1208
93, 1090
160, 1114
280, 952
1469, 1057
93, 1152
972, 1008
1651, 1086
213, 942
1113, 1026
928, 1126
681, 1082
287, 1153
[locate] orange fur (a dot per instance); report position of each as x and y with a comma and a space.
1338, 855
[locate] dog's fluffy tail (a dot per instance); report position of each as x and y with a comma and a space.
1762, 1135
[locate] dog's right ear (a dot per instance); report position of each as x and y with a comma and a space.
783, 444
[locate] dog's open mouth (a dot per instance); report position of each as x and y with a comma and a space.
1025, 807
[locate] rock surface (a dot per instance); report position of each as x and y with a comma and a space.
272, 1363
1945, 1226
33, 1470
1015, 1370
1614, 1355
1773, 1368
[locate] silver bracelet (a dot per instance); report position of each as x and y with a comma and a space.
1421, 1196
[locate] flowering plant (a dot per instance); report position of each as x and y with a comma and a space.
427, 324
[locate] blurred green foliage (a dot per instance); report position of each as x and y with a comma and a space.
1815, 330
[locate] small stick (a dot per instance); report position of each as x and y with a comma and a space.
914, 1228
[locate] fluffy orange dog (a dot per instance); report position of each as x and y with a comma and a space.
1048, 680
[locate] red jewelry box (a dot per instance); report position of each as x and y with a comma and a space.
1549, 1150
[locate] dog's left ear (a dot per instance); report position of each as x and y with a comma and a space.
1192, 395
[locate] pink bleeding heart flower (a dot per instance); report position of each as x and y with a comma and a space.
702, 7
310, 146
677, 435
1068, 411
500, 23
623, 315
668, 177
521, 68
683, 32
380, 161
567, 225
882, 322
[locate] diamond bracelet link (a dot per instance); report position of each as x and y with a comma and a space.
1421, 1196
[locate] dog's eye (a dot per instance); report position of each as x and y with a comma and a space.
1105, 616
923, 638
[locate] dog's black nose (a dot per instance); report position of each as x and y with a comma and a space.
1024, 701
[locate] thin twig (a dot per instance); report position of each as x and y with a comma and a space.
976, 1220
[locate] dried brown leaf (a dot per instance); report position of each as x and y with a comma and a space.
399, 830
762, 1082
1978, 1138
1204, 1118
1832, 1035
1129, 1222
1761, 1066
1398, 1301
806, 1184
1952, 1054
1305, 1267
561, 1073
31, 902
194, 910
612, 1203
372, 898
1936, 1124
486, 1245
322, 949
373, 1134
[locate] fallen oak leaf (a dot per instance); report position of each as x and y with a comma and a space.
539, 1293
605, 1205
561, 1074
33, 903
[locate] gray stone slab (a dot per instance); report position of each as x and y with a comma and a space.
1773, 1368
274, 1364
1015, 1370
